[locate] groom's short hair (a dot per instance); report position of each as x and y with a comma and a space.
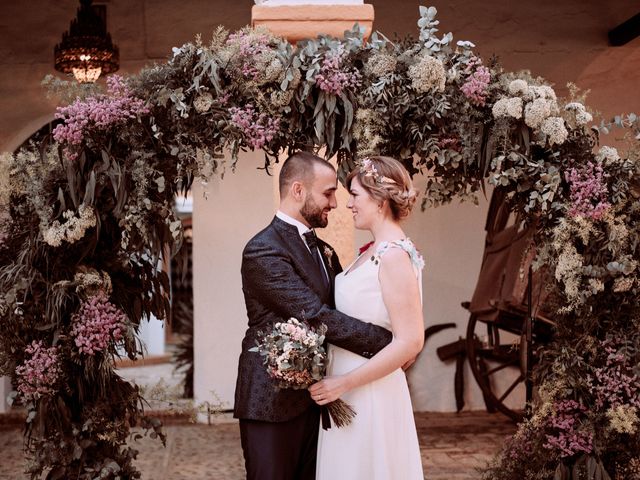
299, 167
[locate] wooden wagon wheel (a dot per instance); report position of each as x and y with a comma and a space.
494, 348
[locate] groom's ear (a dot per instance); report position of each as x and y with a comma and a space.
297, 191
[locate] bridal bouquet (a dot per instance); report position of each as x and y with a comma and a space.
295, 358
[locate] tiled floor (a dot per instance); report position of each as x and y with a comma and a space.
453, 448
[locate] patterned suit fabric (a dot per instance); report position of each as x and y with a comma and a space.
280, 279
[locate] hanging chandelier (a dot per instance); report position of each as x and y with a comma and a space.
86, 49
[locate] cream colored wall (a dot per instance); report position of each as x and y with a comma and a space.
234, 210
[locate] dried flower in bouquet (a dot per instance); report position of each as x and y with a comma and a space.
295, 358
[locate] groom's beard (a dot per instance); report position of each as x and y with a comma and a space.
313, 214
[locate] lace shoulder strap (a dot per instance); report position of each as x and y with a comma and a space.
406, 245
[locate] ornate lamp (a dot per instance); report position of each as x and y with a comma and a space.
86, 49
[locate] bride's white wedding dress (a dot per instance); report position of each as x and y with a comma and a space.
381, 442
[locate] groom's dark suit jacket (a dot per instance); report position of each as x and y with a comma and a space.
280, 280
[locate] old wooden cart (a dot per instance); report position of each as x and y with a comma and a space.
508, 299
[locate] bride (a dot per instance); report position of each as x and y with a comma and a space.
382, 286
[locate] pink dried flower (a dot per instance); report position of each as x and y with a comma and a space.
97, 113
293, 353
39, 374
615, 384
588, 191
451, 143
477, 85
258, 128
519, 447
567, 438
250, 45
97, 323
333, 78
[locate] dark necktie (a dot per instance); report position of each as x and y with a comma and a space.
312, 243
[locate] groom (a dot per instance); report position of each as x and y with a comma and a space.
288, 272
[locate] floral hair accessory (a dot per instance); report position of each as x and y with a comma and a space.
367, 167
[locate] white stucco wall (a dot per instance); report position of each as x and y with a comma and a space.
152, 335
234, 210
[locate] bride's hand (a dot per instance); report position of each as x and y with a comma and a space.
328, 389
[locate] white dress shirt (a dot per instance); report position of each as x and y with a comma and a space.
302, 229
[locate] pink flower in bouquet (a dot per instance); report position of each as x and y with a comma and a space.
588, 191
259, 129
294, 357
567, 438
39, 374
97, 323
477, 85
293, 353
333, 78
99, 112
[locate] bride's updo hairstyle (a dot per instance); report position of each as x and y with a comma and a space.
386, 179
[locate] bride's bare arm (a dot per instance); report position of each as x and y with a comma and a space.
401, 295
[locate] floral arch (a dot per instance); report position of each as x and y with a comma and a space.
89, 213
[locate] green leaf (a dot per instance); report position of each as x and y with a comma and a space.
320, 104
561, 472
90, 189
319, 128
77, 452
331, 103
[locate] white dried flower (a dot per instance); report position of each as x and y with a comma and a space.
273, 71
608, 154
206, 163
623, 419
596, 285
427, 74
381, 64
73, 229
555, 129
568, 270
90, 281
508, 107
518, 87
622, 284
536, 112
53, 235
582, 117
203, 102
280, 98
542, 91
